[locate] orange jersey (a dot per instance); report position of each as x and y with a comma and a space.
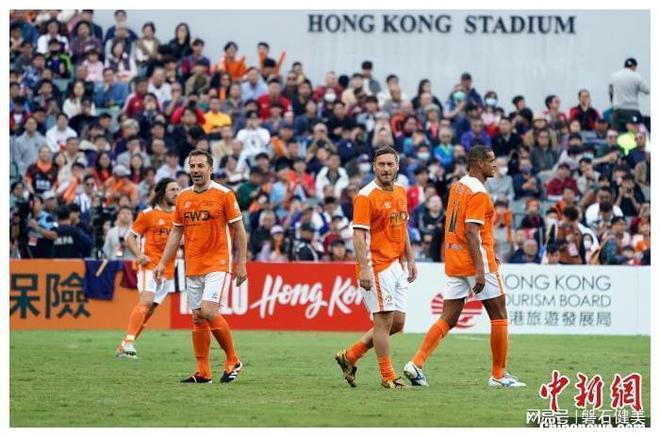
385, 215
153, 225
468, 203
205, 218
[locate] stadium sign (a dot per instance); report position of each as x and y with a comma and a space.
290, 297
546, 300
428, 23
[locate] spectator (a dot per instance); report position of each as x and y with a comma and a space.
72, 241
529, 254
83, 42
332, 175
253, 137
57, 61
273, 249
526, 184
624, 88
42, 175
305, 249
562, 179
146, 47
338, 252
533, 219
52, 32
41, 228
179, 46
25, 148
583, 112
552, 255
119, 185
630, 196
114, 247
475, 134
120, 22
191, 61
501, 185
604, 194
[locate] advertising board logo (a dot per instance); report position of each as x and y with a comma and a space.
472, 309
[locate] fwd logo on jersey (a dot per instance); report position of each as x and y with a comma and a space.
296, 296
472, 309
196, 216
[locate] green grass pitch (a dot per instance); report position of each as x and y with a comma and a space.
70, 378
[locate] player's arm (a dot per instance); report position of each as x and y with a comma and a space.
360, 246
241, 251
170, 250
132, 245
410, 258
472, 237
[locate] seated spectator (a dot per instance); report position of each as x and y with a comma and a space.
562, 179
196, 58
532, 219
121, 62
529, 254
506, 141
273, 250
551, 254
604, 194
525, 184
119, 184
501, 185
306, 248
543, 156
253, 137
332, 175
630, 196
475, 133
111, 93
338, 252
93, 66
642, 240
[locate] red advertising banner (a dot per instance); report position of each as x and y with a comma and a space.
290, 296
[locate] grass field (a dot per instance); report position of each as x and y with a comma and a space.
70, 378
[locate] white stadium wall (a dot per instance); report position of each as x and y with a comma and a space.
534, 53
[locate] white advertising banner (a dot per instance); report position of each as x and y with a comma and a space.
608, 300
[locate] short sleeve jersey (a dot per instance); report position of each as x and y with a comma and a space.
205, 217
468, 203
385, 215
153, 225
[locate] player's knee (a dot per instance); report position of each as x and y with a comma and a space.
451, 321
397, 326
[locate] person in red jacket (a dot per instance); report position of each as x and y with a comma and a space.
274, 96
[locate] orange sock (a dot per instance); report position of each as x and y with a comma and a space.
136, 320
146, 319
499, 345
431, 341
386, 369
356, 351
201, 336
222, 333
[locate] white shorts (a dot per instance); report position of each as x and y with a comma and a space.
460, 287
388, 290
146, 282
212, 287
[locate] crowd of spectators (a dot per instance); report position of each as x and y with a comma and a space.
98, 116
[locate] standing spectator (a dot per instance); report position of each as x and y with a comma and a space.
583, 112
25, 148
42, 175
41, 228
72, 241
625, 86
114, 247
